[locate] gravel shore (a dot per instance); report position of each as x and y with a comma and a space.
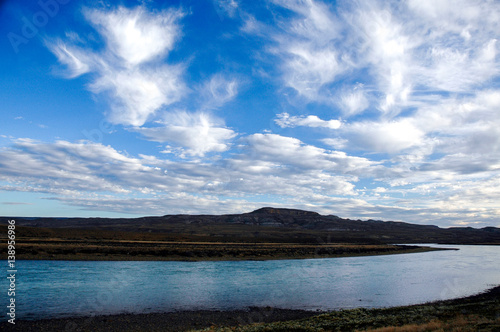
173, 321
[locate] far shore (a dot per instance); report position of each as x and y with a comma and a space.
58, 249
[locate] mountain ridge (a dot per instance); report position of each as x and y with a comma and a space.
271, 224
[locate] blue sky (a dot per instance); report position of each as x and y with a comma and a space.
363, 109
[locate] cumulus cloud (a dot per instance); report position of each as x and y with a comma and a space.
291, 152
463, 129
284, 120
160, 205
197, 133
129, 67
100, 178
67, 169
74, 172
391, 136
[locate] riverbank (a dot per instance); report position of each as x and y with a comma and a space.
126, 250
475, 313
478, 312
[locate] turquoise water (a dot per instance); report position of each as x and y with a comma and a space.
48, 289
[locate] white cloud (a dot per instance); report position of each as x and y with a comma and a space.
459, 70
218, 91
286, 151
138, 94
197, 133
398, 51
316, 20
310, 59
66, 166
161, 205
307, 69
252, 26
291, 152
85, 173
457, 16
99, 178
386, 52
76, 61
353, 102
227, 7
392, 136
465, 126
137, 36
284, 120
337, 143
128, 67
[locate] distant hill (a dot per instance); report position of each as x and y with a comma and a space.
265, 224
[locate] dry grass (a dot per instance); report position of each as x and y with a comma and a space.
460, 323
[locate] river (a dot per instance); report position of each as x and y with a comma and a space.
50, 289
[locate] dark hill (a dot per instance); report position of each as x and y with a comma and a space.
265, 224
284, 212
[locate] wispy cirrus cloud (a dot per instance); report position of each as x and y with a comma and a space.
397, 50
310, 60
217, 91
130, 68
226, 7
353, 100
